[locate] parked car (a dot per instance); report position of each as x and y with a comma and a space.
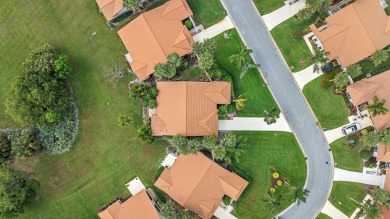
351, 128
329, 66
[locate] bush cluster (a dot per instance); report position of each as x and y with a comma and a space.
146, 93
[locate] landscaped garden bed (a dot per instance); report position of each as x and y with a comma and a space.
263, 151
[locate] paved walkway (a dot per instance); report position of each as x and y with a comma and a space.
216, 29
277, 17
305, 76
333, 212
349, 176
293, 105
334, 134
253, 124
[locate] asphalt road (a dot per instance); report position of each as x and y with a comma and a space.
292, 103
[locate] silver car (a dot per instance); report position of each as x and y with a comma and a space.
354, 127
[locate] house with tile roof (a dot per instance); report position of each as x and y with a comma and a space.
139, 206
198, 184
154, 35
363, 91
188, 108
111, 8
355, 32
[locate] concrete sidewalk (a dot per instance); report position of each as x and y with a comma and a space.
216, 29
253, 124
305, 76
277, 17
334, 134
333, 212
349, 176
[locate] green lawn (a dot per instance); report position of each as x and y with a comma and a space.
341, 195
268, 6
191, 74
207, 12
346, 157
252, 84
323, 216
330, 109
265, 150
78, 183
293, 50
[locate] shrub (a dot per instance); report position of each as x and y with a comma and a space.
124, 120
365, 154
145, 134
32, 188
272, 189
275, 175
145, 93
5, 148
226, 200
62, 67
24, 142
59, 138
328, 77
188, 24
222, 112
279, 182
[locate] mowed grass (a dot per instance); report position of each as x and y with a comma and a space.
341, 195
252, 84
293, 50
268, 6
323, 216
207, 12
330, 109
265, 150
76, 184
346, 157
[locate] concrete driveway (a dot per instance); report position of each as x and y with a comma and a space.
293, 105
253, 124
334, 134
349, 176
277, 17
218, 28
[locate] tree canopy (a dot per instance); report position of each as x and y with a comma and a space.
38, 97
13, 193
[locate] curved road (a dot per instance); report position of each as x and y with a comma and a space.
293, 105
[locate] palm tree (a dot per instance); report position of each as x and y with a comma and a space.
319, 58
175, 60
299, 194
134, 5
371, 210
270, 115
377, 107
379, 57
240, 102
241, 57
271, 202
247, 67
340, 81
354, 70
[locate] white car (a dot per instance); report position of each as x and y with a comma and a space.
351, 128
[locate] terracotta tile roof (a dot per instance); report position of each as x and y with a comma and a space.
155, 34
110, 8
383, 153
198, 184
387, 180
138, 206
189, 108
385, 212
364, 91
355, 32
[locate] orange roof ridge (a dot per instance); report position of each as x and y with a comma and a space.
207, 206
154, 34
166, 177
364, 26
158, 124
205, 122
170, 7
